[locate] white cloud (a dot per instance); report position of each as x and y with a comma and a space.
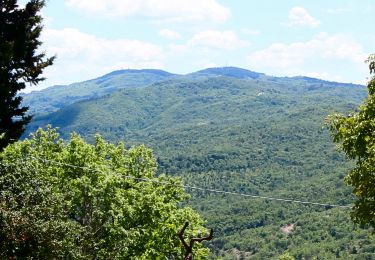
283, 55
82, 56
340, 47
170, 34
298, 16
279, 55
226, 40
162, 10
296, 58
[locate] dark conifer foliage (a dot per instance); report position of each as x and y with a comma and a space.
20, 63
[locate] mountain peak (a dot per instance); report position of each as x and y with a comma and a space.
138, 71
232, 72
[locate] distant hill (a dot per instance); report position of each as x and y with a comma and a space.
56, 97
235, 130
232, 72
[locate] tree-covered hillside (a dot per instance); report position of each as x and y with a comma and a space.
56, 97
240, 131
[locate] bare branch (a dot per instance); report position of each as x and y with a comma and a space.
189, 247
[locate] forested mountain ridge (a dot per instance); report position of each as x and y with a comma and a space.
236, 130
56, 97
210, 108
232, 72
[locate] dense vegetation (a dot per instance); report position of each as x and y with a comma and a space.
236, 130
56, 97
74, 200
356, 134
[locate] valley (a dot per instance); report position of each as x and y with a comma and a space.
232, 130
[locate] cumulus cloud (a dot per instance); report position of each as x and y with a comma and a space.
81, 56
226, 40
161, 10
298, 16
170, 34
290, 59
283, 55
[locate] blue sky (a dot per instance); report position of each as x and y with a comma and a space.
323, 39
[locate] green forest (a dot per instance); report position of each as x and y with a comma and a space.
220, 163
238, 131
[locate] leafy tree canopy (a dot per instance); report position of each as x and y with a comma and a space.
356, 134
20, 63
80, 201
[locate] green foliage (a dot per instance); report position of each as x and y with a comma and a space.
286, 256
99, 209
252, 227
249, 133
20, 29
56, 97
356, 134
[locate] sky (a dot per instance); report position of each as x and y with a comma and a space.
324, 39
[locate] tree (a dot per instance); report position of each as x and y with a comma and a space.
286, 256
356, 134
20, 63
80, 201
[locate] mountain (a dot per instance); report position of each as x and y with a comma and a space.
238, 131
232, 72
56, 97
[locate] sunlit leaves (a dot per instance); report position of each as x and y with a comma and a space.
356, 135
78, 200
